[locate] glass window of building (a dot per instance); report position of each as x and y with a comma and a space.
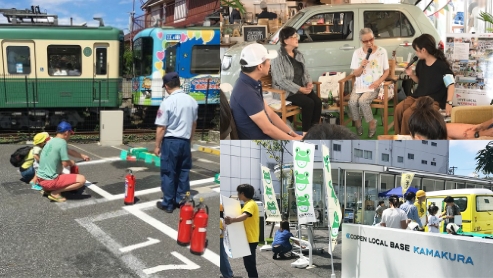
336, 147
358, 153
410, 156
424, 142
439, 185
450, 185
400, 159
386, 182
385, 157
433, 144
428, 185
371, 197
433, 163
368, 155
424, 162
461, 185
354, 197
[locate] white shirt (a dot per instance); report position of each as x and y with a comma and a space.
392, 217
434, 220
378, 63
177, 113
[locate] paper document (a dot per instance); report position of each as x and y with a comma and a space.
364, 90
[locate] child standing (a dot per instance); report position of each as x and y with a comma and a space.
250, 217
434, 220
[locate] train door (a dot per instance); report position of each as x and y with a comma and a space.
19, 78
101, 84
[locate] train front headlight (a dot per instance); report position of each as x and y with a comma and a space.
226, 64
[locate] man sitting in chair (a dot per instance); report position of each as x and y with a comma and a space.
254, 119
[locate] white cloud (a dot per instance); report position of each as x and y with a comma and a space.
99, 15
472, 146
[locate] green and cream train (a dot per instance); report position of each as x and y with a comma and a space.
50, 73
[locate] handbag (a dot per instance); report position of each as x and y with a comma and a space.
330, 84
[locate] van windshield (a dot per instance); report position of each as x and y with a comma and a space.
484, 203
290, 23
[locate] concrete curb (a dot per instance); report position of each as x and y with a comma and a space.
207, 149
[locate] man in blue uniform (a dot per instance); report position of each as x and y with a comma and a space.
176, 121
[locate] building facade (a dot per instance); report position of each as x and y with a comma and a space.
360, 170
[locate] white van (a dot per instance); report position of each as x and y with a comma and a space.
329, 34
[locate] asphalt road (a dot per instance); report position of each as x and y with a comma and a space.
93, 234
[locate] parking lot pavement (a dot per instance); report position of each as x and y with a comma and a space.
94, 234
268, 267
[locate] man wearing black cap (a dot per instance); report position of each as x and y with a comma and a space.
176, 121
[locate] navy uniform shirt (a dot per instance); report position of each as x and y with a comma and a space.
177, 113
247, 100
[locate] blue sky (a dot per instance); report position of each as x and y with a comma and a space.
462, 154
114, 12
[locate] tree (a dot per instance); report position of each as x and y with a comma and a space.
275, 149
484, 160
128, 61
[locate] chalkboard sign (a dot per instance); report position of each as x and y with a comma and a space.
225, 10
254, 33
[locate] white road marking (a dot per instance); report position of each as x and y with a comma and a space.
206, 161
86, 152
150, 241
137, 210
129, 260
218, 190
114, 147
189, 265
105, 194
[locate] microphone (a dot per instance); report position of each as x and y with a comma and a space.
415, 58
368, 54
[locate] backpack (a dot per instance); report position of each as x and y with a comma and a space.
19, 156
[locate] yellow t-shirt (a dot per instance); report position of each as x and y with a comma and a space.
421, 209
221, 227
28, 161
252, 228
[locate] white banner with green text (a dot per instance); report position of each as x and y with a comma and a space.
333, 205
270, 202
304, 154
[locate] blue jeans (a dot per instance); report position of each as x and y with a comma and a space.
28, 175
176, 162
376, 220
281, 249
225, 267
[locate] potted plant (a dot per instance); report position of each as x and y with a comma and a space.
488, 18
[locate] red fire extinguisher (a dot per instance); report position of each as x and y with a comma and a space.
199, 232
129, 188
74, 169
185, 222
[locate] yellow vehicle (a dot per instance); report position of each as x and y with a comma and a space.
476, 207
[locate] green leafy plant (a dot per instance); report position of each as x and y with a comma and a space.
484, 160
488, 18
235, 4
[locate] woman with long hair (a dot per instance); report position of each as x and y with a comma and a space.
394, 217
431, 69
426, 123
290, 74
370, 74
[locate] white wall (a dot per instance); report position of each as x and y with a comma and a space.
416, 261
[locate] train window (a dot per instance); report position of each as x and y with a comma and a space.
170, 65
143, 56
64, 60
205, 59
18, 59
101, 61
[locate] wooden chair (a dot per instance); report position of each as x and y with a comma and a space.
285, 110
376, 103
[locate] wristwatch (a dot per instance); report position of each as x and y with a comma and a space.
449, 102
476, 134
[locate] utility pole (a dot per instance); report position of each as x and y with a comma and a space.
452, 170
